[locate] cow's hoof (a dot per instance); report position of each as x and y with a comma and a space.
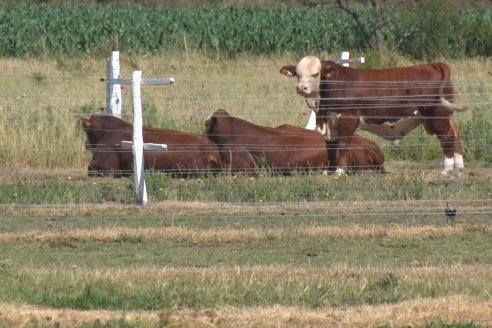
339, 172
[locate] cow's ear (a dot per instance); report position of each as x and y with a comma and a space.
288, 70
210, 122
86, 122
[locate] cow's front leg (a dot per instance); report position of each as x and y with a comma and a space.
346, 130
332, 147
343, 154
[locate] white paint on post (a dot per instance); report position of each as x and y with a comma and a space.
166, 81
311, 124
345, 58
150, 146
138, 160
346, 61
113, 90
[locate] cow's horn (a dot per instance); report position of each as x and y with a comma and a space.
452, 106
86, 122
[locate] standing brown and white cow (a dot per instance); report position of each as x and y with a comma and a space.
387, 102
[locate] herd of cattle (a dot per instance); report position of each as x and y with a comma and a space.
390, 103
229, 144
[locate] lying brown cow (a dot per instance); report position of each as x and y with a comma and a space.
282, 149
388, 102
187, 154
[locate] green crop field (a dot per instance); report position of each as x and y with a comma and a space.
50, 30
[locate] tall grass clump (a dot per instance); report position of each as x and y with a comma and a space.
477, 135
39, 139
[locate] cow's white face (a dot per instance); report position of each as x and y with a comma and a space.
308, 72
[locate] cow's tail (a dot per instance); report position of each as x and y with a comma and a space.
447, 94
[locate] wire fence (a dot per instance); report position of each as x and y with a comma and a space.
45, 161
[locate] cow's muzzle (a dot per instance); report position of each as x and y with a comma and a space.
303, 90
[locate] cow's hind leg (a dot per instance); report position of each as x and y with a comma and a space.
448, 133
459, 165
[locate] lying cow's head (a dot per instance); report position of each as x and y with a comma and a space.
98, 127
211, 123
308, 72
107, 158
90, 141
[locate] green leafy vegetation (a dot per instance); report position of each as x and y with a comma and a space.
46, 30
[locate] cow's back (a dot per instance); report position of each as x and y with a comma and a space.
187, 153
310, 148
281, 149
397, 85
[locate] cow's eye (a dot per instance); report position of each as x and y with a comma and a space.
315, 75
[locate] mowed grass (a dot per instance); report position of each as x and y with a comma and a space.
166, 266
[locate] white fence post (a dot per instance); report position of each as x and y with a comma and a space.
113, 90
137, 143
344, 61
113, 102
138, 159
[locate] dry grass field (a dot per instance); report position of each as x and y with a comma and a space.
366, 250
